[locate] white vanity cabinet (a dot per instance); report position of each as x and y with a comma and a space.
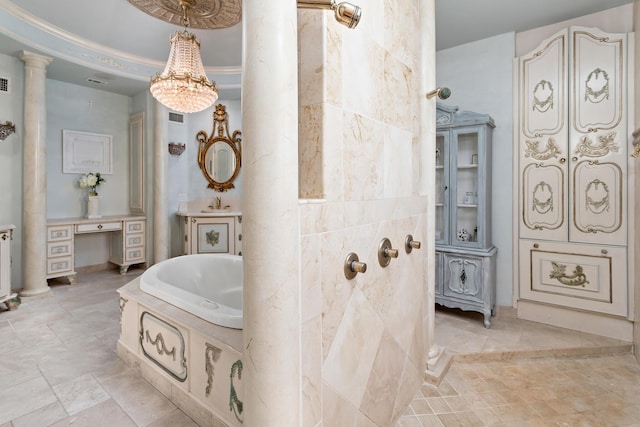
575, 192
6, 234
212, 233
127, 242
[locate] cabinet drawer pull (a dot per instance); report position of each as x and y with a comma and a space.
536, 246
604, 251
99, 226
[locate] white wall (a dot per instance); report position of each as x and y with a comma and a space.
479, 75
71, 107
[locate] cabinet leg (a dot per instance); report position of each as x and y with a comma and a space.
124, 269
487, 320
73, 279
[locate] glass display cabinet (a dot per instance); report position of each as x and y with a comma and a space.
465, 257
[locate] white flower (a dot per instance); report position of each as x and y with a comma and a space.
92, 180
83, 182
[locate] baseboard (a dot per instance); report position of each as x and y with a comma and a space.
592, 323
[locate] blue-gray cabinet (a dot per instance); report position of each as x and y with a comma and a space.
465, 256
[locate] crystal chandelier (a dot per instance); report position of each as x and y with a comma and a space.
183, 85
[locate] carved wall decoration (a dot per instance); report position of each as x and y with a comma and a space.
159, 339
211, 356
551, 150
606, 144
122, 303
543, 96
6, 129
235, 404
596, 87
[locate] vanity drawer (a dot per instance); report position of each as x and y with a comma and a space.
132, 227
134, 254
98, 227
60, 265
58, 249
59, 232
134, 240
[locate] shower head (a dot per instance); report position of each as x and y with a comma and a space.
346, 13
441, 93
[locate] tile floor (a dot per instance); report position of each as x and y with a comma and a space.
521, 373
58, 366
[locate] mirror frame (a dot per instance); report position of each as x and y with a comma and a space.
205, 142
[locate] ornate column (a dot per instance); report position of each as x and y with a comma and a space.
270, 214
160, 208
34, 174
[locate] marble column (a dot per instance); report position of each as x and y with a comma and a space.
160, 197
34, 173
270, 223
427, 163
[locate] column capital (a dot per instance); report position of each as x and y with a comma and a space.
35, 59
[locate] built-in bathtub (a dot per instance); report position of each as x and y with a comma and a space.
206, 285
194, 362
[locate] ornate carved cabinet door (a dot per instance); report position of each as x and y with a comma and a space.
544, 140
598, 135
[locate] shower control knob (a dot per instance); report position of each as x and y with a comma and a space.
410, 244
353, 266
386, 252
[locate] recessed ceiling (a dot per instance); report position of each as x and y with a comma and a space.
113, 42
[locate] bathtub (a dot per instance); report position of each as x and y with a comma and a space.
206, 285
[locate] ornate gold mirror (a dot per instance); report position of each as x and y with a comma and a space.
219, 157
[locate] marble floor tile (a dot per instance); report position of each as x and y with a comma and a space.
44, 416
139, 399
21, 399
174, 419
105, 414
80, 393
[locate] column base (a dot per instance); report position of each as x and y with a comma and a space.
29, 293
437, 365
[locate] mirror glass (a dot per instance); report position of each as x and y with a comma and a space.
220, 161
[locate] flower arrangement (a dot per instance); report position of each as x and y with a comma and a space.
91, 181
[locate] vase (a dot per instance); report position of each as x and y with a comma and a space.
93, 207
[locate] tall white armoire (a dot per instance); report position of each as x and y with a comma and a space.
575, 195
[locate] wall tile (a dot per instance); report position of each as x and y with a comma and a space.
350, 359
311, 372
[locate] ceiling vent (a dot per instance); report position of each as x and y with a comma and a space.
96, 81
176, 118
4, 85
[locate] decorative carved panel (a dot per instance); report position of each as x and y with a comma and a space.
543, 198
543, 89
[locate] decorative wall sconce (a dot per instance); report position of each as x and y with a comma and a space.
6, 129
441, 92
346, 13
176, 148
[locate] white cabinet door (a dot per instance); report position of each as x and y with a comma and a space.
544, 140
598, 134
212, 235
